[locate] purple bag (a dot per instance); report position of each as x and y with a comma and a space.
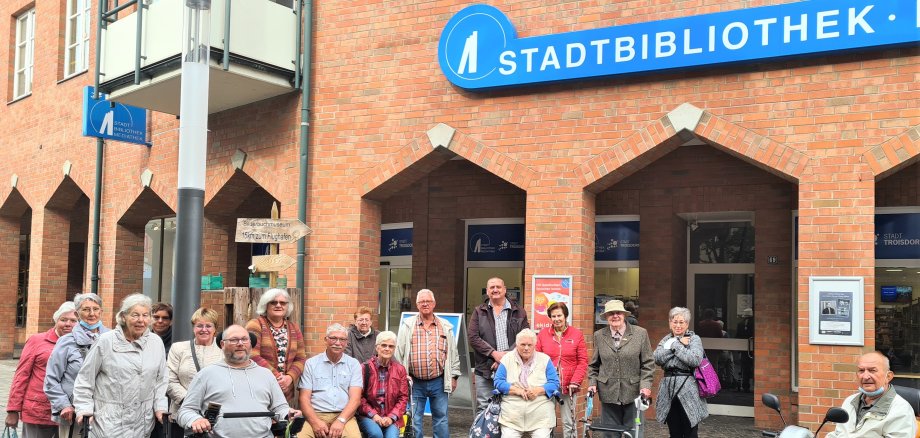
707, 379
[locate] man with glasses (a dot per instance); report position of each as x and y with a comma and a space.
330, 389
239, 385
425, 346
362, 336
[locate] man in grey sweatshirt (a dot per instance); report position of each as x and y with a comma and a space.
239, 385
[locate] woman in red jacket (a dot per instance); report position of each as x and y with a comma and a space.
27, 396
386, 391
566, 348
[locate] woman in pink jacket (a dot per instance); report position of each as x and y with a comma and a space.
566, 348
27, 396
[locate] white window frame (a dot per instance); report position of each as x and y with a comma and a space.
80, 19
25, 19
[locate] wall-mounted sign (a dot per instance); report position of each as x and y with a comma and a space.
113, 120
897, 236
479, 47
396, 242
495, 242
835, 310
616, 241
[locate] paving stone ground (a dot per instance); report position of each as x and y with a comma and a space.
460, 419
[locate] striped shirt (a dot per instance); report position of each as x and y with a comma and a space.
429, 350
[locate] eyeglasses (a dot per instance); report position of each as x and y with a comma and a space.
424, 302
335, 339
161, 318
204, 327
237, 341
387, 346
277, 303
91, 310
137, 316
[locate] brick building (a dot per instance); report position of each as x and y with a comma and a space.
797, 157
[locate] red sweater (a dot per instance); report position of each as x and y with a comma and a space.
574, 352
27, 394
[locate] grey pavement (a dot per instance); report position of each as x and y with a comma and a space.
460, 419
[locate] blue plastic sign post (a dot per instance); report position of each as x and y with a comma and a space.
113, 120
479, 47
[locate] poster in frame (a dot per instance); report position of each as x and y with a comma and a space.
835, 310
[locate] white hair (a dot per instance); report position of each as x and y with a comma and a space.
80, 298
525, 333
336, 328
427, 292
385, 336
66, 307
272, 294
679, 311
130, 302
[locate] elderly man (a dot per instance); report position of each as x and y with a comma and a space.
425, 345
362, 337
876, 410
492, 330
239, 385
330, 389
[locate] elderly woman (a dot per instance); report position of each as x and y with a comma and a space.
280, 346
386, 391
187, 358
67, 358
27, 396
122, 384
565, 346
621, 367
679, 353
528, 380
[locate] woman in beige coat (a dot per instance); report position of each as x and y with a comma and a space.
122, 384
188, 357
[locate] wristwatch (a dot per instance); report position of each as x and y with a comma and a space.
342, 420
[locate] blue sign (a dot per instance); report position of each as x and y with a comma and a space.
616, 241
479, 47
493, 243
897, 236
396, 242
113, 120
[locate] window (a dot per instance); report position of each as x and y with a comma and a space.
76, 51
25, 46
159, 238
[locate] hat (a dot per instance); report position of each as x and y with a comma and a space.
614, 306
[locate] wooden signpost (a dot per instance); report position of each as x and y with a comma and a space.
271, 231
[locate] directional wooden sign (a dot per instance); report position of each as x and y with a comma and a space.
272, 263
261, 230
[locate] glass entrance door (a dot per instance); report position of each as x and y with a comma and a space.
395, 296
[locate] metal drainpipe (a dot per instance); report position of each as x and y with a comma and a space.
307, 12
100, 144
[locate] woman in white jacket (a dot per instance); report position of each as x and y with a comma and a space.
122, 384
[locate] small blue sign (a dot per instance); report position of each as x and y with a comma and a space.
616, 241
897, 236
479, 47
396, 242
494, 243
113, 120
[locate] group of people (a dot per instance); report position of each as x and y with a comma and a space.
133, 377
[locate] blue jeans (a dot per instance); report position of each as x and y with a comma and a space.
432, 391
370, 429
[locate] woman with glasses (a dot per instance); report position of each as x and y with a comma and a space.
67, 358
122, 385
386, 391
280, 346
187, 358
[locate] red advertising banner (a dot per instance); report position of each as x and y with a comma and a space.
546, 290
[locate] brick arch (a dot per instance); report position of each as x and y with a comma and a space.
684, 123
272, 182
166, 194
426, 152
894, 154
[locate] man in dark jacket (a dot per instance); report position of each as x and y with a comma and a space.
493, 327
362, 337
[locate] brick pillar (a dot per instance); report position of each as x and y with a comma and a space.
9, 271
48, 267
219, 250
129, 266
836, 238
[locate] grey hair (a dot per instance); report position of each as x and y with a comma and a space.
424, 292
66, 307
525, 333
272, 294
385, 336
80, 298
336, 328
130, 302
679, 311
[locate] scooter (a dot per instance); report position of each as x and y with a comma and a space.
834, 415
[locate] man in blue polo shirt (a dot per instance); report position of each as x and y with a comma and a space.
330, 390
